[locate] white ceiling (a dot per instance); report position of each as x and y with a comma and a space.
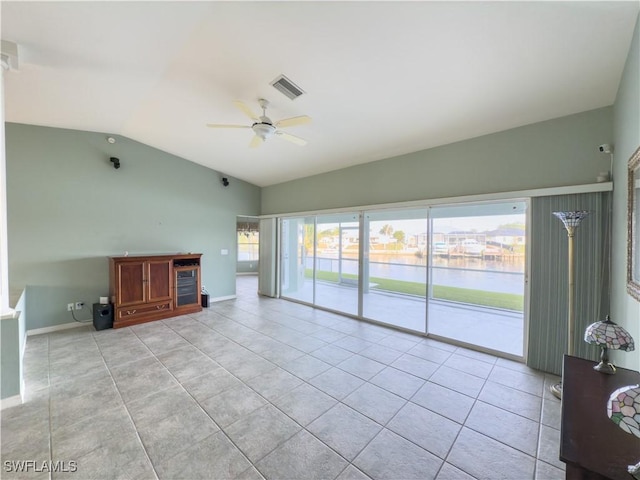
382, 78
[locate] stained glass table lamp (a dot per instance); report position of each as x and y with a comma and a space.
608, 336
623, 408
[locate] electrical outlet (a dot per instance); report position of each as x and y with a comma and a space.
79, 305
69, 307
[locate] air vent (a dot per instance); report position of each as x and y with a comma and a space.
287, 87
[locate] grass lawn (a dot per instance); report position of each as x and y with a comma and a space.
509, 301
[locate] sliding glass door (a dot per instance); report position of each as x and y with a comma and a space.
297, 254
477, 275
337, 262
395, 267
455, 272
320, 260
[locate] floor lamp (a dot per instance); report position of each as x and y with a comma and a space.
571, 221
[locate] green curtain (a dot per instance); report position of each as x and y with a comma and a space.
548, 312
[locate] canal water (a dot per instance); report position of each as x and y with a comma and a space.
473, 273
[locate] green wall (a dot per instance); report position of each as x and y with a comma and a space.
557, 152
69, 209
626, 120
10, 357
12, 342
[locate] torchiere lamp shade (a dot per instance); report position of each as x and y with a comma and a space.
571, 219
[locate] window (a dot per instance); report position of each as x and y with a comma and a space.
248, 241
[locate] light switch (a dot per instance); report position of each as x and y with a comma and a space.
224, 251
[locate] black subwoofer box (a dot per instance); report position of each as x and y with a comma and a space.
204, 300
102, 316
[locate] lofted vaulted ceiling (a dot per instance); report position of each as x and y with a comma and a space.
381, 78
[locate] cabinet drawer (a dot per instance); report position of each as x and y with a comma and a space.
126, 313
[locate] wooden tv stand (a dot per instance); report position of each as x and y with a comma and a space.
592, 446
144, 288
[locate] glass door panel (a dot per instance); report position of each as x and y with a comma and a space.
337, 257
477, 274
297, 258
395, 267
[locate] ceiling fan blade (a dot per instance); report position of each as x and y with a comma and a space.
255, 142
290, 122
291, 138
246, 110
222, 125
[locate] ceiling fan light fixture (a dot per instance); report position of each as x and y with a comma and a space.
263, 130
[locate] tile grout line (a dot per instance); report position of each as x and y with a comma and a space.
124, 404
302, 427
475, 400
220, 429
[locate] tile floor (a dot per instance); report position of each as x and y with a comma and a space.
262, 388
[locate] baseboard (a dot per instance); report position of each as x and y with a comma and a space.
222, 299
10, 402
55, 328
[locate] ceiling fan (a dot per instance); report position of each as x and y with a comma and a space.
263, 127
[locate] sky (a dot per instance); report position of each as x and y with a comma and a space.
444, 225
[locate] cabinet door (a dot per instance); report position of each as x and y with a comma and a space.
159, 280
131, 283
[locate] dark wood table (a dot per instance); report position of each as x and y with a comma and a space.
592, 446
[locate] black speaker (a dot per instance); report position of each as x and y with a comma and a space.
102, 316
204, 300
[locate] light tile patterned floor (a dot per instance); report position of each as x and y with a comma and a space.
263, 388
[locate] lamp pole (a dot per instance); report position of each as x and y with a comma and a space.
572, 293
571, 221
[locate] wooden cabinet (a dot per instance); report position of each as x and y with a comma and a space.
151, 287
592, 446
